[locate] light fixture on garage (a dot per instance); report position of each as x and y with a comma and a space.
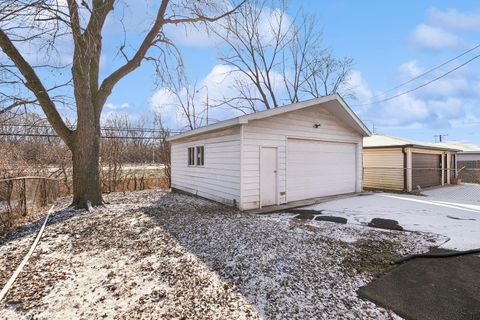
317, 125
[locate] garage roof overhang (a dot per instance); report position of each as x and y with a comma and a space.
417, 146
333, 103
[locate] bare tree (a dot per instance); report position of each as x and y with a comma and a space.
185, 96
45, 23
255, 38
275, 58
164, 150
326, 74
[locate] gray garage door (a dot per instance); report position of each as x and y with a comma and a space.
426, 170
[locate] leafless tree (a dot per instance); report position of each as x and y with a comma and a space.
164, 151
326, 74
255, 38
185, 95
275, 58
45, 24
112, 152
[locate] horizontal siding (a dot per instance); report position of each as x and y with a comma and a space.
383, 169
273, 132
219, 179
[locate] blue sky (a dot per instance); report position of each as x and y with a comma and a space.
390, 42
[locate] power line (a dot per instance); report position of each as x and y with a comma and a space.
35, 126
422, 85
432, 69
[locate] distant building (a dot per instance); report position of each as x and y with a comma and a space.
399, 164
468, 160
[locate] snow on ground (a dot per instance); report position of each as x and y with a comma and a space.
452, 211
152, 254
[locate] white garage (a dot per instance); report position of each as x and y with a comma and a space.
300, 151
319, 168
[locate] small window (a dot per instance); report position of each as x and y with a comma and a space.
200, 156
191, 156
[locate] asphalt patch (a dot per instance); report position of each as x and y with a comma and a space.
332, 219
309, 211
385, 224
430, 289
305, 216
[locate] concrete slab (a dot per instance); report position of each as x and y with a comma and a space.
433, 288
303, 203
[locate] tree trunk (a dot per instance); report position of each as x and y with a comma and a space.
86, 169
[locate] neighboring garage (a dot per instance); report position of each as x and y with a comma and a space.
393, 163
468, 160
427, 169
300, 151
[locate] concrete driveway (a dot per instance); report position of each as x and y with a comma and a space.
452, 211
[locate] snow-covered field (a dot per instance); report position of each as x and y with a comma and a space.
452, 211
154, 255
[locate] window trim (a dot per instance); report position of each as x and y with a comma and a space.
197, 154
191, 156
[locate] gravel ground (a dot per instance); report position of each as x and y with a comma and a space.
151, 254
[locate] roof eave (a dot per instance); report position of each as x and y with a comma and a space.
213, 127
409, 145
360, 126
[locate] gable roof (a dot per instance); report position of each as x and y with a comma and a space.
465, 147
333, 103
380, 140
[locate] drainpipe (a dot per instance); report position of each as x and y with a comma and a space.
405, 187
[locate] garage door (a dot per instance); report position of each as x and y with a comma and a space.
317, 168
426, 170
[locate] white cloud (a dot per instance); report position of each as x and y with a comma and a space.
270, 20
411, 69
361, 91
218, 85
164, 103
454, 84
198, 36
454, 19
445, 102
435, 38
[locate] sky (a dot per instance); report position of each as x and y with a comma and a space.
389, 41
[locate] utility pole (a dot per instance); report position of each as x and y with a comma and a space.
207, 103
373, 124
440, 137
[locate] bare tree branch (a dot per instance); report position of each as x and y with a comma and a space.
36, 87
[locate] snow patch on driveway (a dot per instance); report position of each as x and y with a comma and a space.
452, 211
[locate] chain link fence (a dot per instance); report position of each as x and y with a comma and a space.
22, 196
469, 171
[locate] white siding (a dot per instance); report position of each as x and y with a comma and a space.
219, 178
274, 132
384, 169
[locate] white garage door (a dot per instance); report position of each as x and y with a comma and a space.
317, 168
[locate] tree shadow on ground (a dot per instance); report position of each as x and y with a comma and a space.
34, 224
282, 267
